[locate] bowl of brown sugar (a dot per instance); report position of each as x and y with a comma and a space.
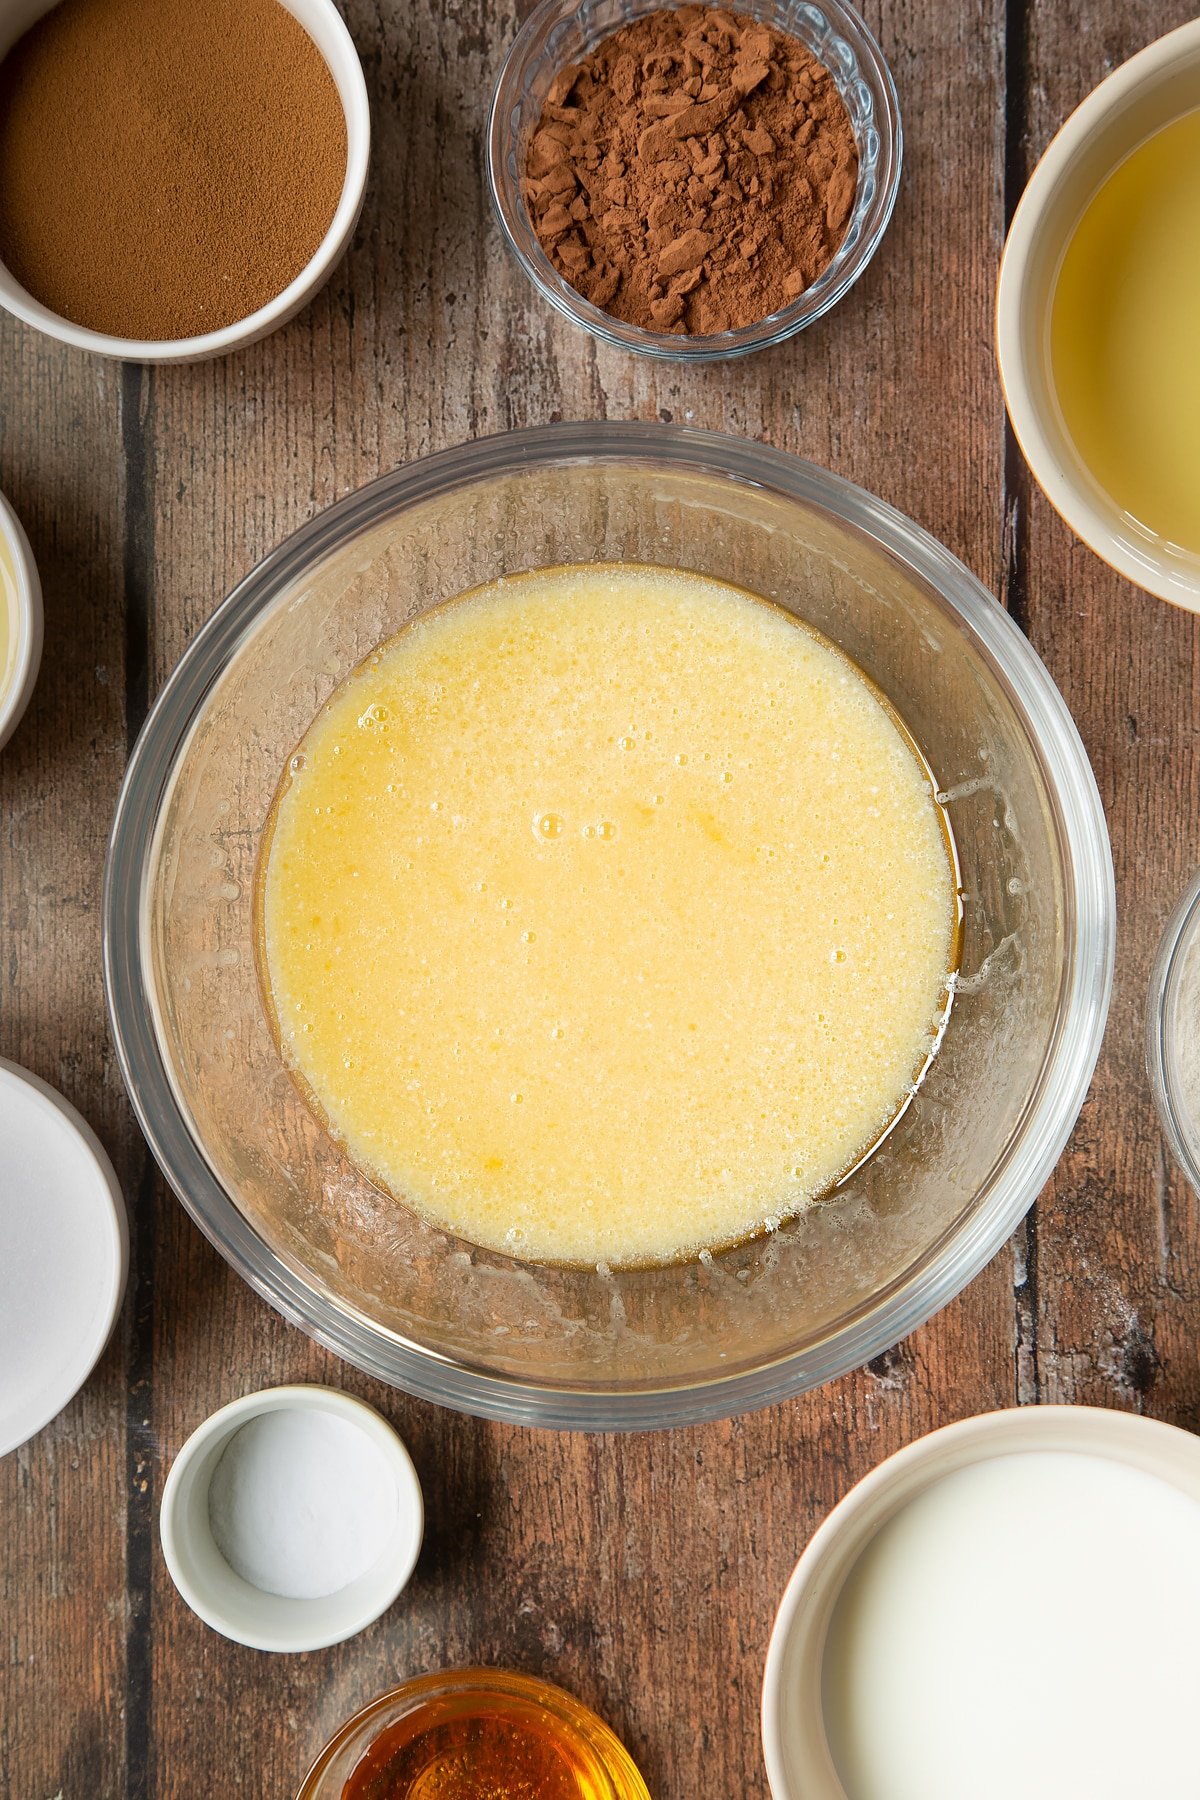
177, 177
693, 182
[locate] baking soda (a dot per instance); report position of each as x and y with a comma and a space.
301, 1503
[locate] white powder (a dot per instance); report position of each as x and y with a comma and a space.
301, 1503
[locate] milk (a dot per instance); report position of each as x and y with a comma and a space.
1028, 1626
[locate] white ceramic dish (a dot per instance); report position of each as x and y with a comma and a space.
235, 1607
1150, 91
325, 26
800, 1765
21, 610
64, 1253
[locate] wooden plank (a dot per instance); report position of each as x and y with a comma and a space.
62, 1497
1117, 1248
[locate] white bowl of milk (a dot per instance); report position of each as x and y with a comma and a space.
958, 1626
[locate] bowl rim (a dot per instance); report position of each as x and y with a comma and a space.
1019, 1172
350, 81
17, 691
401, 1558
1064, 486
777, 327
1166, 973
1152, 1446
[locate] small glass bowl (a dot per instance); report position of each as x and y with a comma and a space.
1173, 1032
605, 1770
560, 32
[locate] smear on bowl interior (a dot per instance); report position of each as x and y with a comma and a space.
1125, 335
606, 914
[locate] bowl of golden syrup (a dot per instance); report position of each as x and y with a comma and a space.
474, 1734
1096, 319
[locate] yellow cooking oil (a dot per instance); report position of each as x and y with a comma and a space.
1125, 335
607, 915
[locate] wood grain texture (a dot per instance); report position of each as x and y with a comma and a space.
1116, 1250
63, 1604
643, 1573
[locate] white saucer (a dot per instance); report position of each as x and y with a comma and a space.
64, 1253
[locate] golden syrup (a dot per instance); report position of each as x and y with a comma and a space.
518, 1739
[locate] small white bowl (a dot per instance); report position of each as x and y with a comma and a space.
235, 1607
326, 28
21, 612
1150, 91
799, 1762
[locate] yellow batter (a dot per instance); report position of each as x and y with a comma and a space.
607, 915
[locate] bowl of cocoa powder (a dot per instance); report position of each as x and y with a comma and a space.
177, 177
693, 182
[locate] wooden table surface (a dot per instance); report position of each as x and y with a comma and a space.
641, 1572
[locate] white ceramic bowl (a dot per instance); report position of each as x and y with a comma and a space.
21, 613
1150, 91
235, 1607
324, 24
800, 1765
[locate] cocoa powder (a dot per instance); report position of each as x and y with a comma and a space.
695, 173
166, 166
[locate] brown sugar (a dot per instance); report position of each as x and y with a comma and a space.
695, 173
166, 166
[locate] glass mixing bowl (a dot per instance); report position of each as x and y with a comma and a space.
1173, 1032
468, 1328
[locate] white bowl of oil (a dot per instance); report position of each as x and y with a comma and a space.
20, 621
1096, 320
